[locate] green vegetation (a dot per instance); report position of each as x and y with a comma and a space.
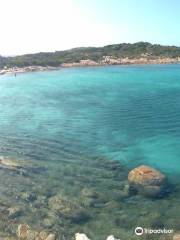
135, 50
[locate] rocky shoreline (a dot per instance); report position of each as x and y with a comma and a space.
106, 61
109, 60
25, 232
17, 70
143, 180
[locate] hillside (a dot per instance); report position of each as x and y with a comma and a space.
97, 54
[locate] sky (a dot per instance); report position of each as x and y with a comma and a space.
29, 26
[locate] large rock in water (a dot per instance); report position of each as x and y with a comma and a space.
147, 181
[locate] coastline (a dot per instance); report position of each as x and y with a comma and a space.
107, 61
17, 70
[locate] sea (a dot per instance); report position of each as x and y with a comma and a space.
78, 132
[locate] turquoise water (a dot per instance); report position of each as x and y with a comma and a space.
75, 122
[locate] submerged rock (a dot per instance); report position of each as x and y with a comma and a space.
40, 201
87, 192
88, 202
43, 235
68, 209
14, 212
113, 205
51, 236
28, 196
79, 216
10, 164
91, 198
81, 236
32, 235
60, 204
49, 222
147, 181
119, 195
22, 231
19, 166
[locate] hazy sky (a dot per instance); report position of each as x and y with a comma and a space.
48, 25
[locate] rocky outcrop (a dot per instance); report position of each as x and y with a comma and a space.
111, 60
81, 63
147, 181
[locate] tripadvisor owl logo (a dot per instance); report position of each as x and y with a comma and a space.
139, 231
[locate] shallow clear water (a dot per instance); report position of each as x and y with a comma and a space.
75, 122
